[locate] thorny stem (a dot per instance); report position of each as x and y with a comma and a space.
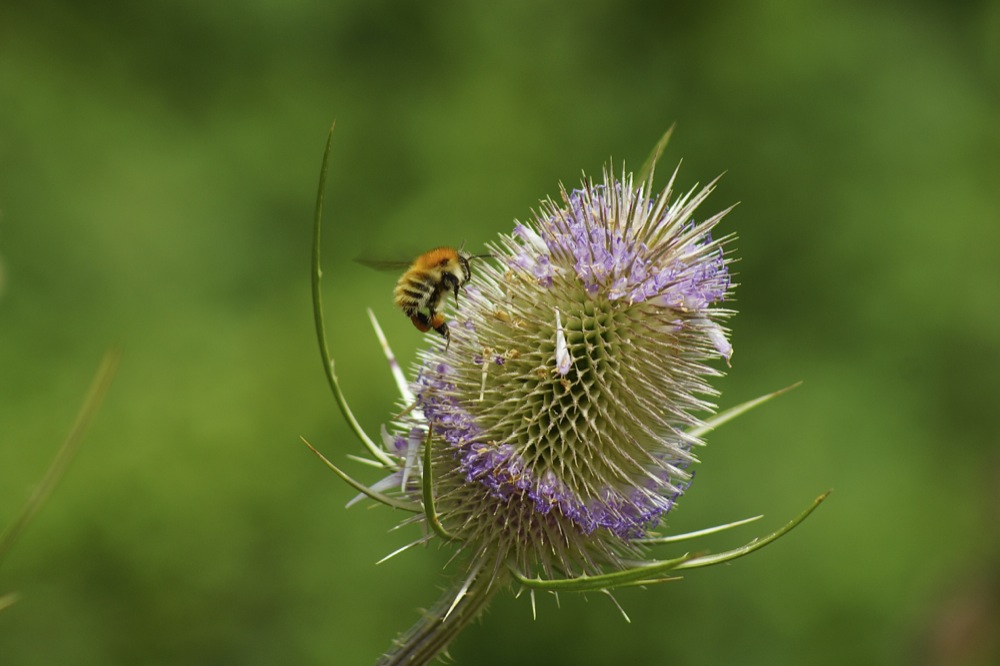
453, 612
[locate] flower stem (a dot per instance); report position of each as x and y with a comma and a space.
459, 606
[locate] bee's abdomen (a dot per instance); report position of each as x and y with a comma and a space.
414, 291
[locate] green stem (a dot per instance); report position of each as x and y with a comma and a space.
458, 607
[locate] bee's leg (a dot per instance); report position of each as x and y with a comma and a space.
451, 281
441, 326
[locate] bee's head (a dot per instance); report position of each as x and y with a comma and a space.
463, 261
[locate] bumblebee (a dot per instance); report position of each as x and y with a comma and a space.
422, 288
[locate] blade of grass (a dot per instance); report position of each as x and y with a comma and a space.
91, 403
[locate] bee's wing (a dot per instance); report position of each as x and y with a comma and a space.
383, 264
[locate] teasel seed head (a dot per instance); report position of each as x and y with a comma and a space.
550, 436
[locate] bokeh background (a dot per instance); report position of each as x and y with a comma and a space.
158, 166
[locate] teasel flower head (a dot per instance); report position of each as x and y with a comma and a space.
550, 437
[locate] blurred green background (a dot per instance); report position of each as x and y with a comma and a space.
158, 163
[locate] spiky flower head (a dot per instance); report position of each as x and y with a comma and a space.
577, 366
555, 431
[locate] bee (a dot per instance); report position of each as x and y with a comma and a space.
421, 290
